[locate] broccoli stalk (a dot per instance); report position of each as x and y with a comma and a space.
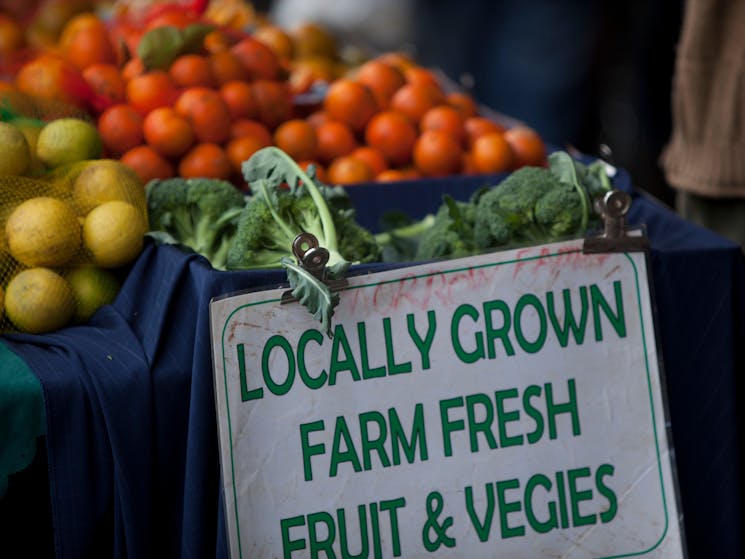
197, 213
400, 243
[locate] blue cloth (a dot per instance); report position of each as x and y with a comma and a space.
131, 432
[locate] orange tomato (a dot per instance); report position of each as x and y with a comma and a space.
120, 128
133, 67
240, 149
527, 146
373, 157
106, 82
349, 170
238, 96
51, 77
227, 67
217, 41
257, 59
398, 59
205, 160
189, 70
478, 126
492, 153
273, 101
437, 153
445, 118
335, 139
147, 163
173, 15
383, 80
247, 127
11, 35
350, 102
421, 76
393, 134
464, 102
276, 39
297, 138
168, 132
316, 118
414, 100
88, 45
207, 112
392, 175
151, 90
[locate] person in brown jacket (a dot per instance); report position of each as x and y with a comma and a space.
704, 160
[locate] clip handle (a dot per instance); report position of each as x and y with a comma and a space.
309, 255
613, 208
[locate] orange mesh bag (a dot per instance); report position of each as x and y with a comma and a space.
70, 221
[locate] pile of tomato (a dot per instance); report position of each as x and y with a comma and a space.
238, 88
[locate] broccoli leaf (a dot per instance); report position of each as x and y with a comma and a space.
563, 166
312, 293
266, 171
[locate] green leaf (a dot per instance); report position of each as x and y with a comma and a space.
563, 166
312, 293
193, 37
162, 237
159, 47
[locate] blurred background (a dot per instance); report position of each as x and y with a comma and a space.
595, 75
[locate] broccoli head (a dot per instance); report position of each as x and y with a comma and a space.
356, 243
258, 242
198, 213
506, 212
275, 216
559, 212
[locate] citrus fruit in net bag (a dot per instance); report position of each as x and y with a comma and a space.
43, 231
114, 233
15, 154
39, 300
103, 180
67, 140
31, 128
92, 287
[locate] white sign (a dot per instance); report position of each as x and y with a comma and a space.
506, 405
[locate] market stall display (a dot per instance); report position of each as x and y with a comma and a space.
183, 99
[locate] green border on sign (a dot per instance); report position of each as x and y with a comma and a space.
455, 270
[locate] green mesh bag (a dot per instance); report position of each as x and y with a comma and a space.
68, 226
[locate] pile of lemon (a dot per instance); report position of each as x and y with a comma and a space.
69, 220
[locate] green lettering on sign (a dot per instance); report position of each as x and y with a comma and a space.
463, 355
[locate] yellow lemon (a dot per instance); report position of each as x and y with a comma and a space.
114, 233
93, 287
103, 180
67, 140
43, 231
31, 128
39, 300
15, 155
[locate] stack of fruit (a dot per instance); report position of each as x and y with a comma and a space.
69, 220
175, 93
